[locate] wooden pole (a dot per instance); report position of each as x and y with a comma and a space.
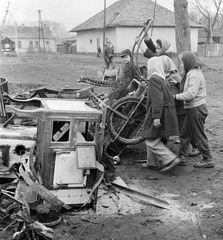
16, 38
104, 29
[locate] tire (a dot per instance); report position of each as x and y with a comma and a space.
131, 134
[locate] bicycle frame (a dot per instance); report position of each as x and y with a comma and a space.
133, 111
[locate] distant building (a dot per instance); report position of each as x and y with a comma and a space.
67, 45
124, 21
210, 47
7, 44
217, 36
28, 38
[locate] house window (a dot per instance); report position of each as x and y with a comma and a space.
36, 44
90, 41
19, 44
47, 43
31, 43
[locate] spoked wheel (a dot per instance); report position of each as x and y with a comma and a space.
125, 120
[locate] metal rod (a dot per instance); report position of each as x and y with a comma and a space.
142, 196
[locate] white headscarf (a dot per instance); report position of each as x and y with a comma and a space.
169, 65
155, 66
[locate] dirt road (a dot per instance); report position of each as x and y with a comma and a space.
190, 192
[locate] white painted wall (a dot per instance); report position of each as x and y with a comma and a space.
124, 37
51, 47
87, 40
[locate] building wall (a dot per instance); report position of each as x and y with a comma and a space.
124, 37
26, 47
88, 41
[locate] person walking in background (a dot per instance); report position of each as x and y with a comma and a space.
99, 52
108, 55
194, 93
161, 118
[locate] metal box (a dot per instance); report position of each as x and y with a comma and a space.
68, 146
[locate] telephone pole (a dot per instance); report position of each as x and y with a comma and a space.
6, 13
16, 38
3, 22
104, 28
40, 29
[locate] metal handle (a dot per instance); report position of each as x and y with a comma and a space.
145, 30
3, 81
35, 113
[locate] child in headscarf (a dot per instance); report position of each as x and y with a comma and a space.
161, 47
161, 120
193, 94
174, 79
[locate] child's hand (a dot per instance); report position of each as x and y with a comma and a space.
172, 81
156, 123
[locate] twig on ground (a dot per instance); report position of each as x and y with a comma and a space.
199, 225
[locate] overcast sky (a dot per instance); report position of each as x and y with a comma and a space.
69, 12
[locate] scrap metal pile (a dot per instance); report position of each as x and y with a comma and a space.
56, 148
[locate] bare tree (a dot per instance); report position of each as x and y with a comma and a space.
58, 29
183, 40
208, 12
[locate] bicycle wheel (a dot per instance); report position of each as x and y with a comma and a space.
125, 120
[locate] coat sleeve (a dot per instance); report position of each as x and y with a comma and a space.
191, 91
148, 48
156, 95
148, 53
149, 43
136, 73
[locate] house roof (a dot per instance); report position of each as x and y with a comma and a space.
26, 32
130, 13
5, 40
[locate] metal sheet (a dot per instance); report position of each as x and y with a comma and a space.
69, 106
66, 169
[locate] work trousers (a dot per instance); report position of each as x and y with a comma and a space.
109, 63
193, 129
180, 119
160, 151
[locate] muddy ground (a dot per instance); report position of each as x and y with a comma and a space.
195, 195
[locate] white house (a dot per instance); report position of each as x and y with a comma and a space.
124, 21
28, 38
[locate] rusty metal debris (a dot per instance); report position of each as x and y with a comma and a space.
102, 83
63, 162
142, 196
26, 227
